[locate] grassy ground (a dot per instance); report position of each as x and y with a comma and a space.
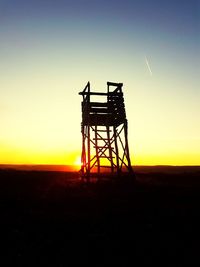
52, 219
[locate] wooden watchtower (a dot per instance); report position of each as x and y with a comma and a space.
104, 131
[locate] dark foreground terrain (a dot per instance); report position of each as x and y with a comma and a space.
52, 219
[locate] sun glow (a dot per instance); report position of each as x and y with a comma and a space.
77, 161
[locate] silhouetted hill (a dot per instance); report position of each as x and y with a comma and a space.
39, 167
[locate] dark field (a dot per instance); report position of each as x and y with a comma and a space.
52, 219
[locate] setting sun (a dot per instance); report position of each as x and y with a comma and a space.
77, 161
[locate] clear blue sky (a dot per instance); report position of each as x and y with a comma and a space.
50, 49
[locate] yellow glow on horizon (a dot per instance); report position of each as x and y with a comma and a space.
73, 158
171, 159
19, 155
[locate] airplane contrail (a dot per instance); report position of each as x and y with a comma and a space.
148, 66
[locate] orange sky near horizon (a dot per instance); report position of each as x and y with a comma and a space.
49, 52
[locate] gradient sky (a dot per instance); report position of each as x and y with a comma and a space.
50, 49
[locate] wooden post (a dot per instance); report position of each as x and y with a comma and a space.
116, 149
110, 149
126, 145
97, 150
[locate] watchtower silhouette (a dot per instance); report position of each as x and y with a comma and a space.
104, 131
